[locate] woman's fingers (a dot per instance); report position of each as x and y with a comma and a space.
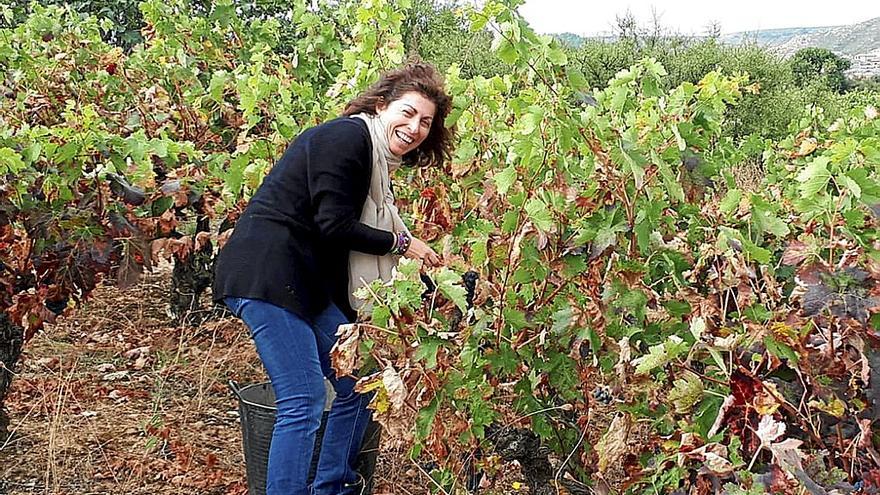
432, 258
418, 249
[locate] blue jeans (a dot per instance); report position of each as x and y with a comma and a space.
296, 355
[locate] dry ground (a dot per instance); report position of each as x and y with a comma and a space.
116, 400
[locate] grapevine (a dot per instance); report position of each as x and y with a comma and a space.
612, 294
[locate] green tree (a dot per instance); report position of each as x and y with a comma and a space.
767, 112
819, 64
437, 32
125, 19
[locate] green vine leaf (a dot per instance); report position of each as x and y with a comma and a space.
814, 177
659, 355
449, 284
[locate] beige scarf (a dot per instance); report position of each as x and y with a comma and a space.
379, 212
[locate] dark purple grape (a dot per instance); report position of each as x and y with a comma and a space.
430, 287
469, 279
603, 395
57, 307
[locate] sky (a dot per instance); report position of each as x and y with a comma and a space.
588, 17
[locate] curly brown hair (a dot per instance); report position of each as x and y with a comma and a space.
422, 78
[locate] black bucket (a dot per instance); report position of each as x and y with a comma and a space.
256, 407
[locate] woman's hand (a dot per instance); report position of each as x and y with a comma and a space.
421, 251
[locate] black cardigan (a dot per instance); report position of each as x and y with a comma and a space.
291, 245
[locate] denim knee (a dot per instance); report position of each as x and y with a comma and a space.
308, 405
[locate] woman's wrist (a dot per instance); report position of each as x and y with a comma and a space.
402, 240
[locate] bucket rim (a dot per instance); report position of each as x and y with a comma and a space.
237, 391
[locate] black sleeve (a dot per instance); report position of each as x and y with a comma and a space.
340, 164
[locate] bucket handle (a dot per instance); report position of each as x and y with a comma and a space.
233, 386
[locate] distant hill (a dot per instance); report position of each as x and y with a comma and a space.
860, 43
848, 41
769, 36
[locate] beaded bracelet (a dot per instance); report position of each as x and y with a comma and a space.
401, 243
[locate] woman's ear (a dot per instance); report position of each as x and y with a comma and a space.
381, 104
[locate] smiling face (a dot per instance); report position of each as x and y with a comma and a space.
407, 121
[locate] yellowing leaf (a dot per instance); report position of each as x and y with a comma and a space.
373, 383
660, 354
834, 407
380, 401
504, 179
687, 392
10, 161
765, 402
807, 146
539, 214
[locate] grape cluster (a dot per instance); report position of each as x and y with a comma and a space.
430, 287
584, 350
58, 306
603, 395
469, 279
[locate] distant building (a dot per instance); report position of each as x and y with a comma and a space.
865, 64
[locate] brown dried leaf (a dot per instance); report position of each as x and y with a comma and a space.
718, 464
344, 354
873, 267
136, 352
223, 237
167, 221
795, 253
181, 248
158, 250
389, 404
130, 269
202, 239
180, 199
516, 250
745, 296
614, 444
395, 388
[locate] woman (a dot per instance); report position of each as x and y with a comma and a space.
323, 223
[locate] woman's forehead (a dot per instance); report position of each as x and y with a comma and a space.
416, 101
